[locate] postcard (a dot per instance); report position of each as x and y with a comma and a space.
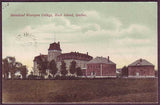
79, 52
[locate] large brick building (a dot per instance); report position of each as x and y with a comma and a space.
141, 68
55, 53
101, 67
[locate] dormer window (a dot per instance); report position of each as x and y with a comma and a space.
138, 63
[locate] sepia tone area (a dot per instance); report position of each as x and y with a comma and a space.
97, 90
79, 52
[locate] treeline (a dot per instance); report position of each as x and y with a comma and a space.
10, 67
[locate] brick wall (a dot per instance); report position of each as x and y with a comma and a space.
141, 71
107, 69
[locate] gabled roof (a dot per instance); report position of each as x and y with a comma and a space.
101, 60
41, 56
141, 62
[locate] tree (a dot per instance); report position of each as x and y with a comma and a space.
124, 71
79, 71
63, 68
42, 66
31, 73
31, 76
5, 68
73, 67
17, 68
12, 67
53, 67
23, 71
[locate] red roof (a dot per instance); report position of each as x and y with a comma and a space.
43, 57
74, 55
55, 46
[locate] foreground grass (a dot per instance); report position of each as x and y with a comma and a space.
106, 90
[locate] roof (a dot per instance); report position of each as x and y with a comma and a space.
74, 55
41, 56
141, 62
101, 60
55, 46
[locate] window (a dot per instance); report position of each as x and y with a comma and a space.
138, 64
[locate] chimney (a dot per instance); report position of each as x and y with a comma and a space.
141, 60
87, 53
108, 58
58, 43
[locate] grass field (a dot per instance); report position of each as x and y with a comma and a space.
102, 90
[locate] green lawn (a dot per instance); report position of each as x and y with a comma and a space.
104, 90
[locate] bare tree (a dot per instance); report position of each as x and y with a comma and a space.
23, 71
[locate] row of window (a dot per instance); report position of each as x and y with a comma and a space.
93, 66
141, 72
98, 67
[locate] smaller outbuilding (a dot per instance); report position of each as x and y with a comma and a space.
101, 67
141, 68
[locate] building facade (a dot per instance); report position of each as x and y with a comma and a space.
141, 68
55, 53
80, 59
36, 71
101, 67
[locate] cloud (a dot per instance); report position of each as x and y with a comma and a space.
91, 29
109, 22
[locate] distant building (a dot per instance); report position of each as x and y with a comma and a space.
141, 68
119, 72
101, 67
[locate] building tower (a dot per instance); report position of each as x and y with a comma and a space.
53, 51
